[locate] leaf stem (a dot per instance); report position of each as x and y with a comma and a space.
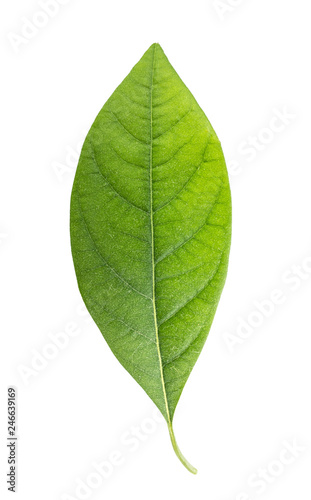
178, 452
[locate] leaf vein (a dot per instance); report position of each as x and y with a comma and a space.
126, 129
175, 154
177, 310
206, 223
174, 125
126, 161
101, 256
111, 186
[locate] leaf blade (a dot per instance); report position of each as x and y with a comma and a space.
150, 228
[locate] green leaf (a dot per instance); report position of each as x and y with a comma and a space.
151, 227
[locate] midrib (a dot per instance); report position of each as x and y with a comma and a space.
152, 248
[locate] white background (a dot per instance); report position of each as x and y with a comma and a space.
246, 397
